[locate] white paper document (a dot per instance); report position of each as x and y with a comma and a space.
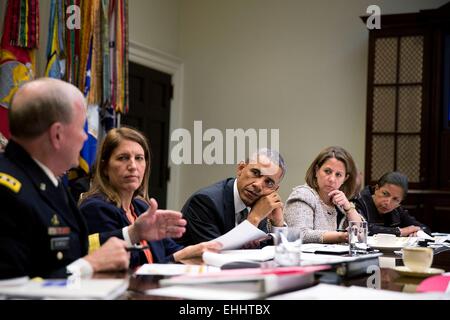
423, 235
65, 289
202, 293
240, 235
333, 292
227, 256
173, 269
14, 281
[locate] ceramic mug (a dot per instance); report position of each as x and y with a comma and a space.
417, 259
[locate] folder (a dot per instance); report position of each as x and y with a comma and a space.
254, 282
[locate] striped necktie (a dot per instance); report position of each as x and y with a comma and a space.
242, 216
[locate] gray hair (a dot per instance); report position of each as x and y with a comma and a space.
38, 104
274, 157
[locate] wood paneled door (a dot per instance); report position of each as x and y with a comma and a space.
151, 93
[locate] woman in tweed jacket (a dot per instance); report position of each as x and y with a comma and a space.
313, 209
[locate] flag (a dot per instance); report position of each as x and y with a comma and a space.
17, 52
118, 54
88, 152
55, 45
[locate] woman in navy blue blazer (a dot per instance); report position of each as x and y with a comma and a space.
117, 203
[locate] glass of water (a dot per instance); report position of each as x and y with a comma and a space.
287, 253
357, 237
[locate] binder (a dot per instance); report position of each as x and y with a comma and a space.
358, 267
344, 266
255, 282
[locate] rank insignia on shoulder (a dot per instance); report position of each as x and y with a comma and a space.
10, 182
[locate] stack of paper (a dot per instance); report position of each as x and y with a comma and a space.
333, 292
65, 289
238, 284
163, 269
248, 255
203, 293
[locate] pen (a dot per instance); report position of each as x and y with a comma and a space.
136, 248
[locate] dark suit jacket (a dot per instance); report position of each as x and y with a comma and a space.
105, 218
30, 244
210, 213
384, 223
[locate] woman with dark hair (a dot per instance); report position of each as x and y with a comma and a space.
118, 198
313, 209
380, 205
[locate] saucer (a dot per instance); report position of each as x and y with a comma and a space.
396, 244
391, 247
407, 272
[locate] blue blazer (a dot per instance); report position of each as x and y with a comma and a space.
42, 230
105, 218
210, 213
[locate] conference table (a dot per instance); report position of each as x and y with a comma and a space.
390, 278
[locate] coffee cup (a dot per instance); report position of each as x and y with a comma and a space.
417, 259
384, 239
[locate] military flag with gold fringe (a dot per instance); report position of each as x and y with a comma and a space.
56, 62
19, 40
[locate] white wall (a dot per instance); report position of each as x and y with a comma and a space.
155, 24
300, 66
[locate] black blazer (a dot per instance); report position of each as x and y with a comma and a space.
210, 213
105, 218
30, 242
384, 223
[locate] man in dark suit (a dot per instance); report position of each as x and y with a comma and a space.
252, 195
42, 232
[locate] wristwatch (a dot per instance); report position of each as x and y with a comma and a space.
352, 206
